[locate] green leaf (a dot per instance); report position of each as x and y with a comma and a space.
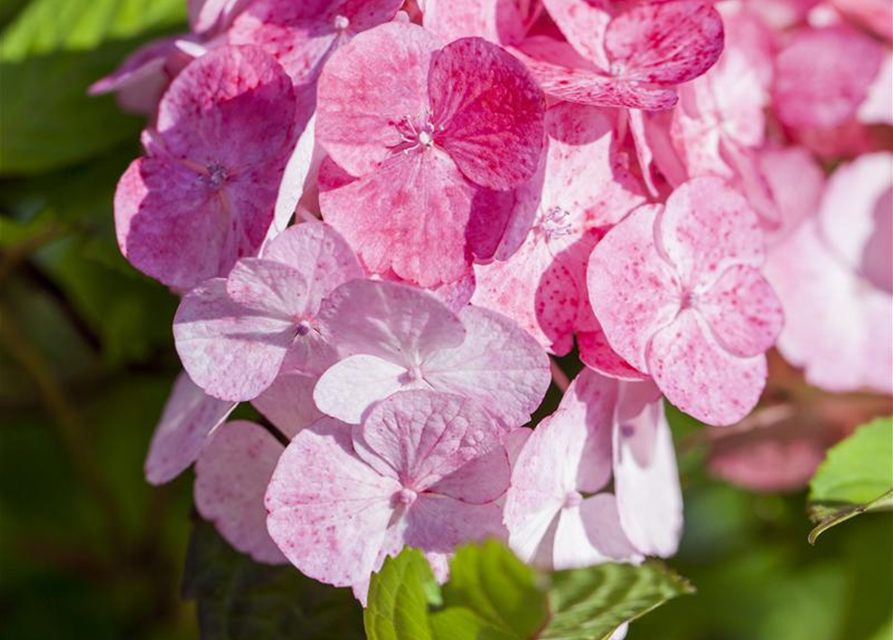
856, 477
588, 604
492, 582
491, 595
49, 55
239, 599
397, 606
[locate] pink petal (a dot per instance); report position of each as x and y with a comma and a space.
497, 364
743, 312
590, 534
878, 106
705, 228
665, 43
349, 388
700, 377
188, 419
142, 75
597, 354
231, 477
288, 402
328, 510
299, 177
583, 23
212, 15
498, 21
646, 480
632, 290
432, 442
388, 320
823, 75
368, 87
268, 287
439, 523
232, 351
302, 35
490, 110
320, 254
409, 216
796, 181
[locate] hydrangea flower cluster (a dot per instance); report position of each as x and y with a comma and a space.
385, 218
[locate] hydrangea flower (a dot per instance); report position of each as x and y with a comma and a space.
629, 55
234, 334
393, 337
678, 292
203, 195
422, 471
428, 131
583, 186
557, 511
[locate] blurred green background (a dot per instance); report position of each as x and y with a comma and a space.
89, 550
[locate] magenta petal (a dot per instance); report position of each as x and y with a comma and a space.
188, 419
705, 228
409, 215
646, 480
423, 438
665, 43
497, 364
288, 402
743, 312
320, 254
232, 351
231, 477
700, 377
632, 290
367, 88
329, 510
490, 110
583, 23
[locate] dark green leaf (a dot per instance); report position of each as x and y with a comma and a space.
239, 599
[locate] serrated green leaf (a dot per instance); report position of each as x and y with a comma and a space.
589, 604
239, 599
397, 607
856, 477
49, 55
489, 580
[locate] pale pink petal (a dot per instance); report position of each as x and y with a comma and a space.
188, 419
288, 402
424, 438
583, 23
369, 87
597, 354
632, 290
590, 533
302, 35
268, 287
439, 523
514, 442
489, 112
706, 227
796, 182
876, 15
665, 43
212, 15
700, 377
328, 510
393, 321
409, 216
497, 364
878, 106
320, 254
298, 177
646, 480
823, 75
743, 312
498, 21
232, 351
347, 389
231, 477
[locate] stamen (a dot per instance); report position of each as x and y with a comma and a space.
341, 22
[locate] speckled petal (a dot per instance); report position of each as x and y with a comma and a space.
288, 402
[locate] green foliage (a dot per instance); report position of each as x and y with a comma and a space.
49, 55
491, 595
856, 477
240, 599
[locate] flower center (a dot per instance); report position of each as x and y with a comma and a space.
404, 497
689, 300
303, 328
216, 174
416, 132
553, 224
572, 499
341, 22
